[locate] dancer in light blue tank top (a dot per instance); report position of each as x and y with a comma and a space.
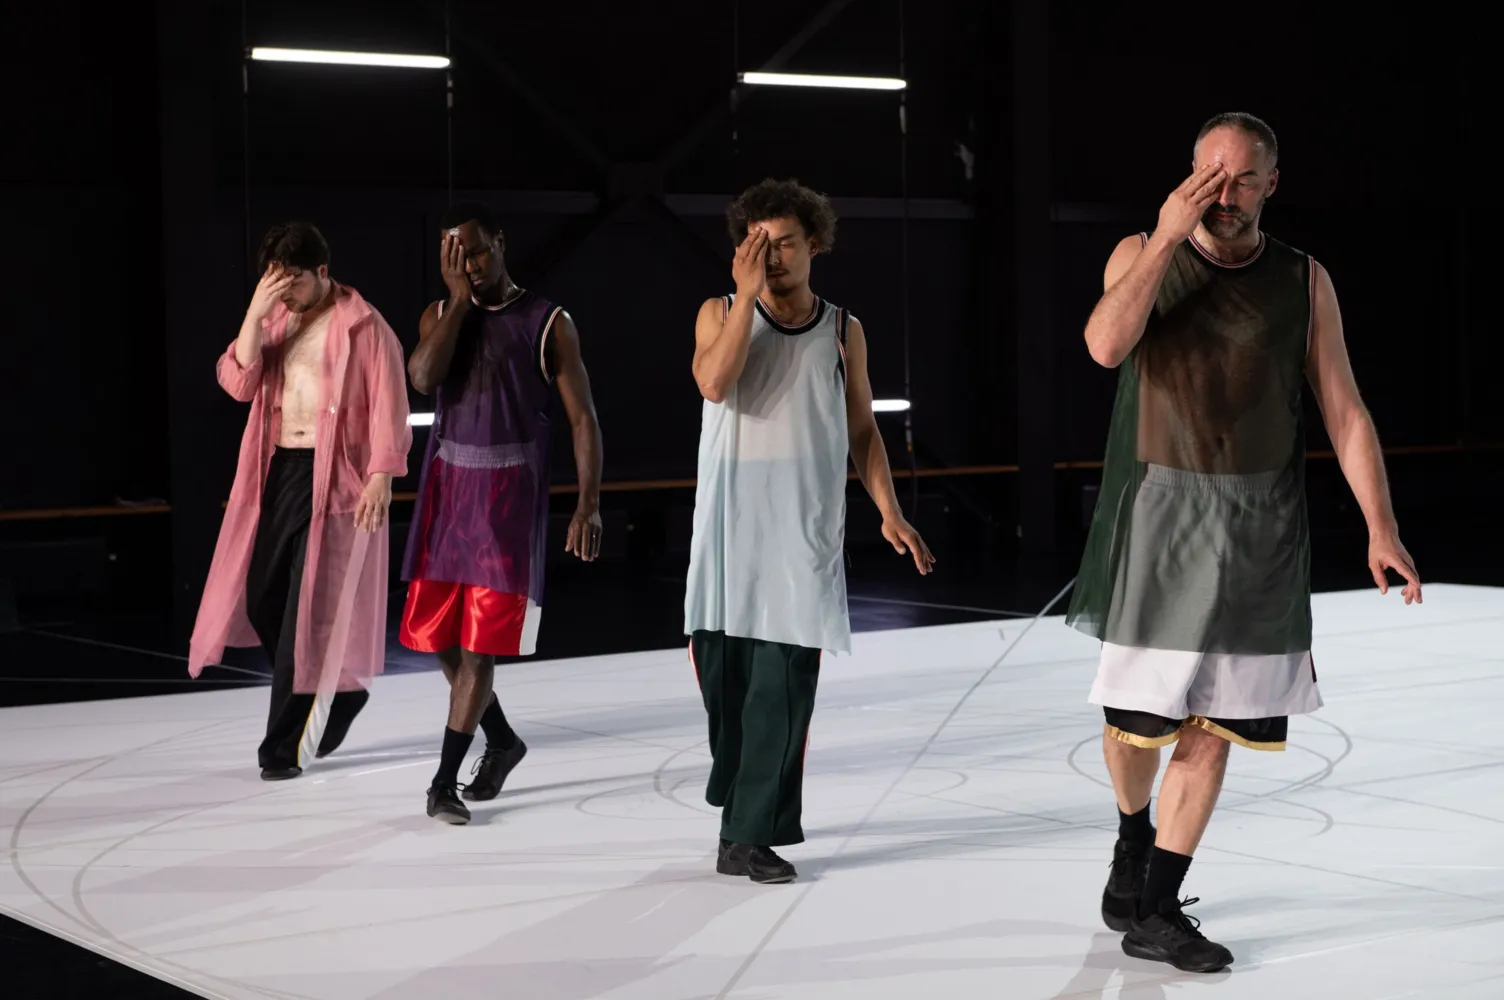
784, 376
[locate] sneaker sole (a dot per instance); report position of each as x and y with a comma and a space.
724, 869
1121, 925
1148, 952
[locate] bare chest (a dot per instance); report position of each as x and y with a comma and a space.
303, 377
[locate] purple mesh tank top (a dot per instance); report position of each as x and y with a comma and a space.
481, 516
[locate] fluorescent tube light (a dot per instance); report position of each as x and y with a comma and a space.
332, 58
813, 80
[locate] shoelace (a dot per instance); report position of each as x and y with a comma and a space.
489, 754
1178, 917
1129, 864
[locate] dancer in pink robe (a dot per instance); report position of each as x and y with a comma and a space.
301, 564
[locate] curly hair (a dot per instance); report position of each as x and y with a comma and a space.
1253, 126
774, 199
297, 245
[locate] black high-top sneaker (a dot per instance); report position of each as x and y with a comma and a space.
1130, 866
1170, 936
760, 864
444, 804
491, 770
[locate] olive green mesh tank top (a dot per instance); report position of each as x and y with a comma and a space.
1209, 408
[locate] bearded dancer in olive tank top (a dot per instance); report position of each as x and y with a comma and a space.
1196, 575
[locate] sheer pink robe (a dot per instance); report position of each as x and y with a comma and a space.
362, 429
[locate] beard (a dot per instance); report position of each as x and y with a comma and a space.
1234, 223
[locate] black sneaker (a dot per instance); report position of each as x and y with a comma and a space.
1171, 936
491, 770
1130, 866
444, 804
759, 864
280, 773
723, 863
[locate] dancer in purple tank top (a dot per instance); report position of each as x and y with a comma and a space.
490, 355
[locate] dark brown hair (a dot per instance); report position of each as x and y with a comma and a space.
297, 245
773, 199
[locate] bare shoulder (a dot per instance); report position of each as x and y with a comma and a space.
1123, 256
713, 309
711, 318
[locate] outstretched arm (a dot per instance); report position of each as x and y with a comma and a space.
1351, 429
870, 455
565, 361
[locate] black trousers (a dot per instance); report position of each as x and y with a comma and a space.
272, 587
759, 697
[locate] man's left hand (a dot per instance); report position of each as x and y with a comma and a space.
902, 536
1385, 552
584, 534
370, 510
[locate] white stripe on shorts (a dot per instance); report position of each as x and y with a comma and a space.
1177, 684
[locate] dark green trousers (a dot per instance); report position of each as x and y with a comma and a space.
759, 696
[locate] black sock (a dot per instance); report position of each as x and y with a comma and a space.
499, 734
456, 745
1136, 828
1166, 871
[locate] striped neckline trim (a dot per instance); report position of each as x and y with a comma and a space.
1230, 265
813, 321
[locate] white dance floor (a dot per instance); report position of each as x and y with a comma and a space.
959, 822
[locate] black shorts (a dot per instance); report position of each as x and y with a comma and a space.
1141, 729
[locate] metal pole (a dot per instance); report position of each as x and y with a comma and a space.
448, 110
250, 279
903, 181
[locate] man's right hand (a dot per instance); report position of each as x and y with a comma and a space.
749, 269
1182, 211
268, 291
452, 266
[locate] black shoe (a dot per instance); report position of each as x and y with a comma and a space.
347, 706
1130, 866
1171, 936
444, 804
491, 771
759, 864
280, 773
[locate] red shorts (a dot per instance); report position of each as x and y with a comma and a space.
440, 616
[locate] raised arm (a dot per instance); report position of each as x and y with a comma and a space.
1135, 270
240, 369
1354, 438
870, 455
439, 328
562, 350
721, 341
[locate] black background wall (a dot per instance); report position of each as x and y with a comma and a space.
605, 134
